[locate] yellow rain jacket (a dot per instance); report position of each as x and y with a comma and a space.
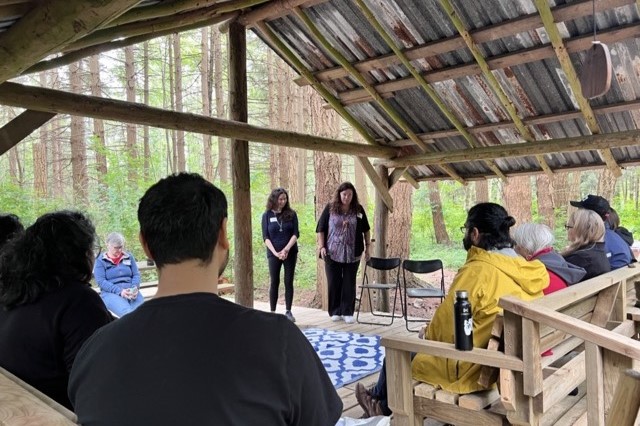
486, 276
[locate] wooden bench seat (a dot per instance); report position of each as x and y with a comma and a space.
584, 326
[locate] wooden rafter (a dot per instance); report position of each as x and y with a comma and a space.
526, 149
430, 91
391, 112
535, 120
506, 28
272, 9
21, 127
518, 57
572, 77
50, 26
328, 96
396, 174
377, 181
56, 101
492, 80
76, 55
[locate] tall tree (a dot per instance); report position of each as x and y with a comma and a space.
606, 183
272, 106
40, 181
78, 144
283, 104
327, 169
145, 99
206, 102
56, 144
99, 143
439, 226
545, 200
482, 191
516, 193
130, 76
223, 144
180, 143
399, 229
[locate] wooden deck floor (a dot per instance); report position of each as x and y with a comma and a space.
307, 318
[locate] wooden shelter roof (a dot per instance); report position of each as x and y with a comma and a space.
461, 89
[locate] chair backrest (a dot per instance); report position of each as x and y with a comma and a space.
422, 266
383, 263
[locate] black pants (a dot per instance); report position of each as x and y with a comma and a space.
274, 273
341, 280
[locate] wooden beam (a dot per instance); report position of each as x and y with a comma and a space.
411, 180
241, 180
76, 55
518, 57
21, 127
274, 8
572, 77
430, 91
381, 186
51, 25
574, 10
55, 101
580, 143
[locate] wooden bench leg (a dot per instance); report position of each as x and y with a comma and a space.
400, 388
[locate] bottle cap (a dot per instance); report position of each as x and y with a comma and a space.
461, 294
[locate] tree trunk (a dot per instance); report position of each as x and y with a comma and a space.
283, 105
272, 111
206, 102
517, 198
400, 220
223, 144
180, 144
78, 147
145, 129
56, 146
606, 184
439, 226
327, 169
380, 247
132, 150
40, 181
545, 201
99, 144
482, 191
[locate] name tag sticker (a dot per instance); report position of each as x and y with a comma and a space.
126, 262
359, 215
273, 219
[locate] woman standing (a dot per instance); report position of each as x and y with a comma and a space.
585, 230
117, 275
342, 238
280, 234
47, 306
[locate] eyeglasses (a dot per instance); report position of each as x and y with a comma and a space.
463, 229
567, 226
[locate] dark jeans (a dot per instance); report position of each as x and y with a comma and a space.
379, 391
341, 280
275, 265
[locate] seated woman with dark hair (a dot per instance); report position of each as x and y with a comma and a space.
585, 231
47, 307
493, 269
535, 241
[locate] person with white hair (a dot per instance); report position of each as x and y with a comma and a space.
535, 242
118, 277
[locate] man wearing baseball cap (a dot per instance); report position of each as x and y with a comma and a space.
617, 249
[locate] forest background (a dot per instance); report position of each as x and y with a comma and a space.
103, 168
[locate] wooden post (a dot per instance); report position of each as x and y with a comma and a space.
243, 257
625, 403
381, 220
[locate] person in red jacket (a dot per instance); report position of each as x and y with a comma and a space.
535, 241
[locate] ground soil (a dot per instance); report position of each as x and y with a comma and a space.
420, 308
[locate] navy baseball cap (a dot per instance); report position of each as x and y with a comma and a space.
594, 202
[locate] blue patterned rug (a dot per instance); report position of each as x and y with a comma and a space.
347, 357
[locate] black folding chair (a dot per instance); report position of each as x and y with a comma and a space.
380, 264
421, 267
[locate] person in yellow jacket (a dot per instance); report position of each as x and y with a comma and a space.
492, 270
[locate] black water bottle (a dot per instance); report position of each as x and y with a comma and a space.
463, 322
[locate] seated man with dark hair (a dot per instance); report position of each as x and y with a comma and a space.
10, 226
188, 356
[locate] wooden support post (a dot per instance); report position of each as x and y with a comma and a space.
243, 255
381, 220
595, 384
626, 403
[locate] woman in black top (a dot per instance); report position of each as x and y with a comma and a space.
585, 230
280, 234
342, 239
47, 307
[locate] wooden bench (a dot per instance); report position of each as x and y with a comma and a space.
586, 329
22, 404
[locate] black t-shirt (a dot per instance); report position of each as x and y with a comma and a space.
39, 341
592, 258
199, 359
